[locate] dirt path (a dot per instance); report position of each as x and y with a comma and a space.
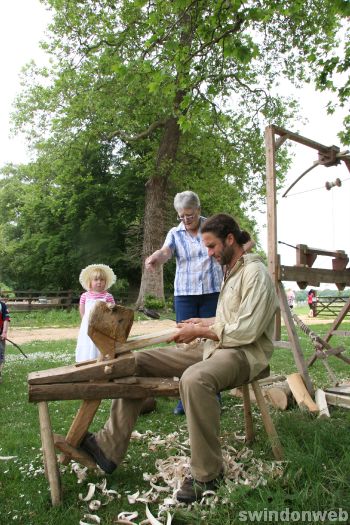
27, 335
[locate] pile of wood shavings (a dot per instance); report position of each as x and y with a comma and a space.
240, 467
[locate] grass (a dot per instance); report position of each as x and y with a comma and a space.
60, 318
316, 471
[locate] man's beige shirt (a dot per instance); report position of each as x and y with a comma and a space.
245, 313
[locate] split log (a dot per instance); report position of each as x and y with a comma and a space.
300, 393
321, 402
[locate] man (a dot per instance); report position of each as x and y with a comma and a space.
233, 348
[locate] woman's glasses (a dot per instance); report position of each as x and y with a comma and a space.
188, 218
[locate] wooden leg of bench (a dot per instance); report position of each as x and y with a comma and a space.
268, 423
50, 460
248, 419
80, 425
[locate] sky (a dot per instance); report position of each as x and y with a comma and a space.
309, 215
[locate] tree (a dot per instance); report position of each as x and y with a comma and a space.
126, 72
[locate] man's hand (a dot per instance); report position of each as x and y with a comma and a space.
202, 321
187, 333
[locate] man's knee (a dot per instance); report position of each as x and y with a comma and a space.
196, 377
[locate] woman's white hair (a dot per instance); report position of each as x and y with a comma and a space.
186, 199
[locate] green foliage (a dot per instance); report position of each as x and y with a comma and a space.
177, 92
154, 302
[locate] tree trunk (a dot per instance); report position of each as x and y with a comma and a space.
156, 196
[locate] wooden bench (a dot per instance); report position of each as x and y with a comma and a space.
31, 300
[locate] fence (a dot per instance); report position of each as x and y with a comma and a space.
329, 306
30, 300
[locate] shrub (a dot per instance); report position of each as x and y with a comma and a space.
154, 302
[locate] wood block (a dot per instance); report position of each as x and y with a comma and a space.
108, 326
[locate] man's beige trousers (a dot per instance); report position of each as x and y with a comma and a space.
199, 384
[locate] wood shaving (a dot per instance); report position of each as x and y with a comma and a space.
90, 494
94, 504
93, 518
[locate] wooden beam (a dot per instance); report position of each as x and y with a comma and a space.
303, 140
121, 366
313, 276
294, 340
271, 198
134, 387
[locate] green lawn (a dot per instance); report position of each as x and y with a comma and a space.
314, 476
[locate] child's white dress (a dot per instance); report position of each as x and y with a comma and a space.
86, 349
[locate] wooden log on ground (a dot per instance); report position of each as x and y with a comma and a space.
300, 393
277, 395
132, 387
321, 402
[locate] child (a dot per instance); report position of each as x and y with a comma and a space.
96, 279
4, 322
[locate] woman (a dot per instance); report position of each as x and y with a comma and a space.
198, 277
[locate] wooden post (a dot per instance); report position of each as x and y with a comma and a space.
268, 423
293, 337
272, 215
50, 460
248, 420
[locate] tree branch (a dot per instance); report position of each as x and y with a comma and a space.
142, 135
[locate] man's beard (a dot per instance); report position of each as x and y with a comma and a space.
227, 254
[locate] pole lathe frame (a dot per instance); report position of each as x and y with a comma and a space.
303, 274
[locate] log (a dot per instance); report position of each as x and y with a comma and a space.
129, 387
121, 366
300, 393
321, 402
279, 395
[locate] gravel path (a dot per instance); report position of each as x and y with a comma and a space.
27, 335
